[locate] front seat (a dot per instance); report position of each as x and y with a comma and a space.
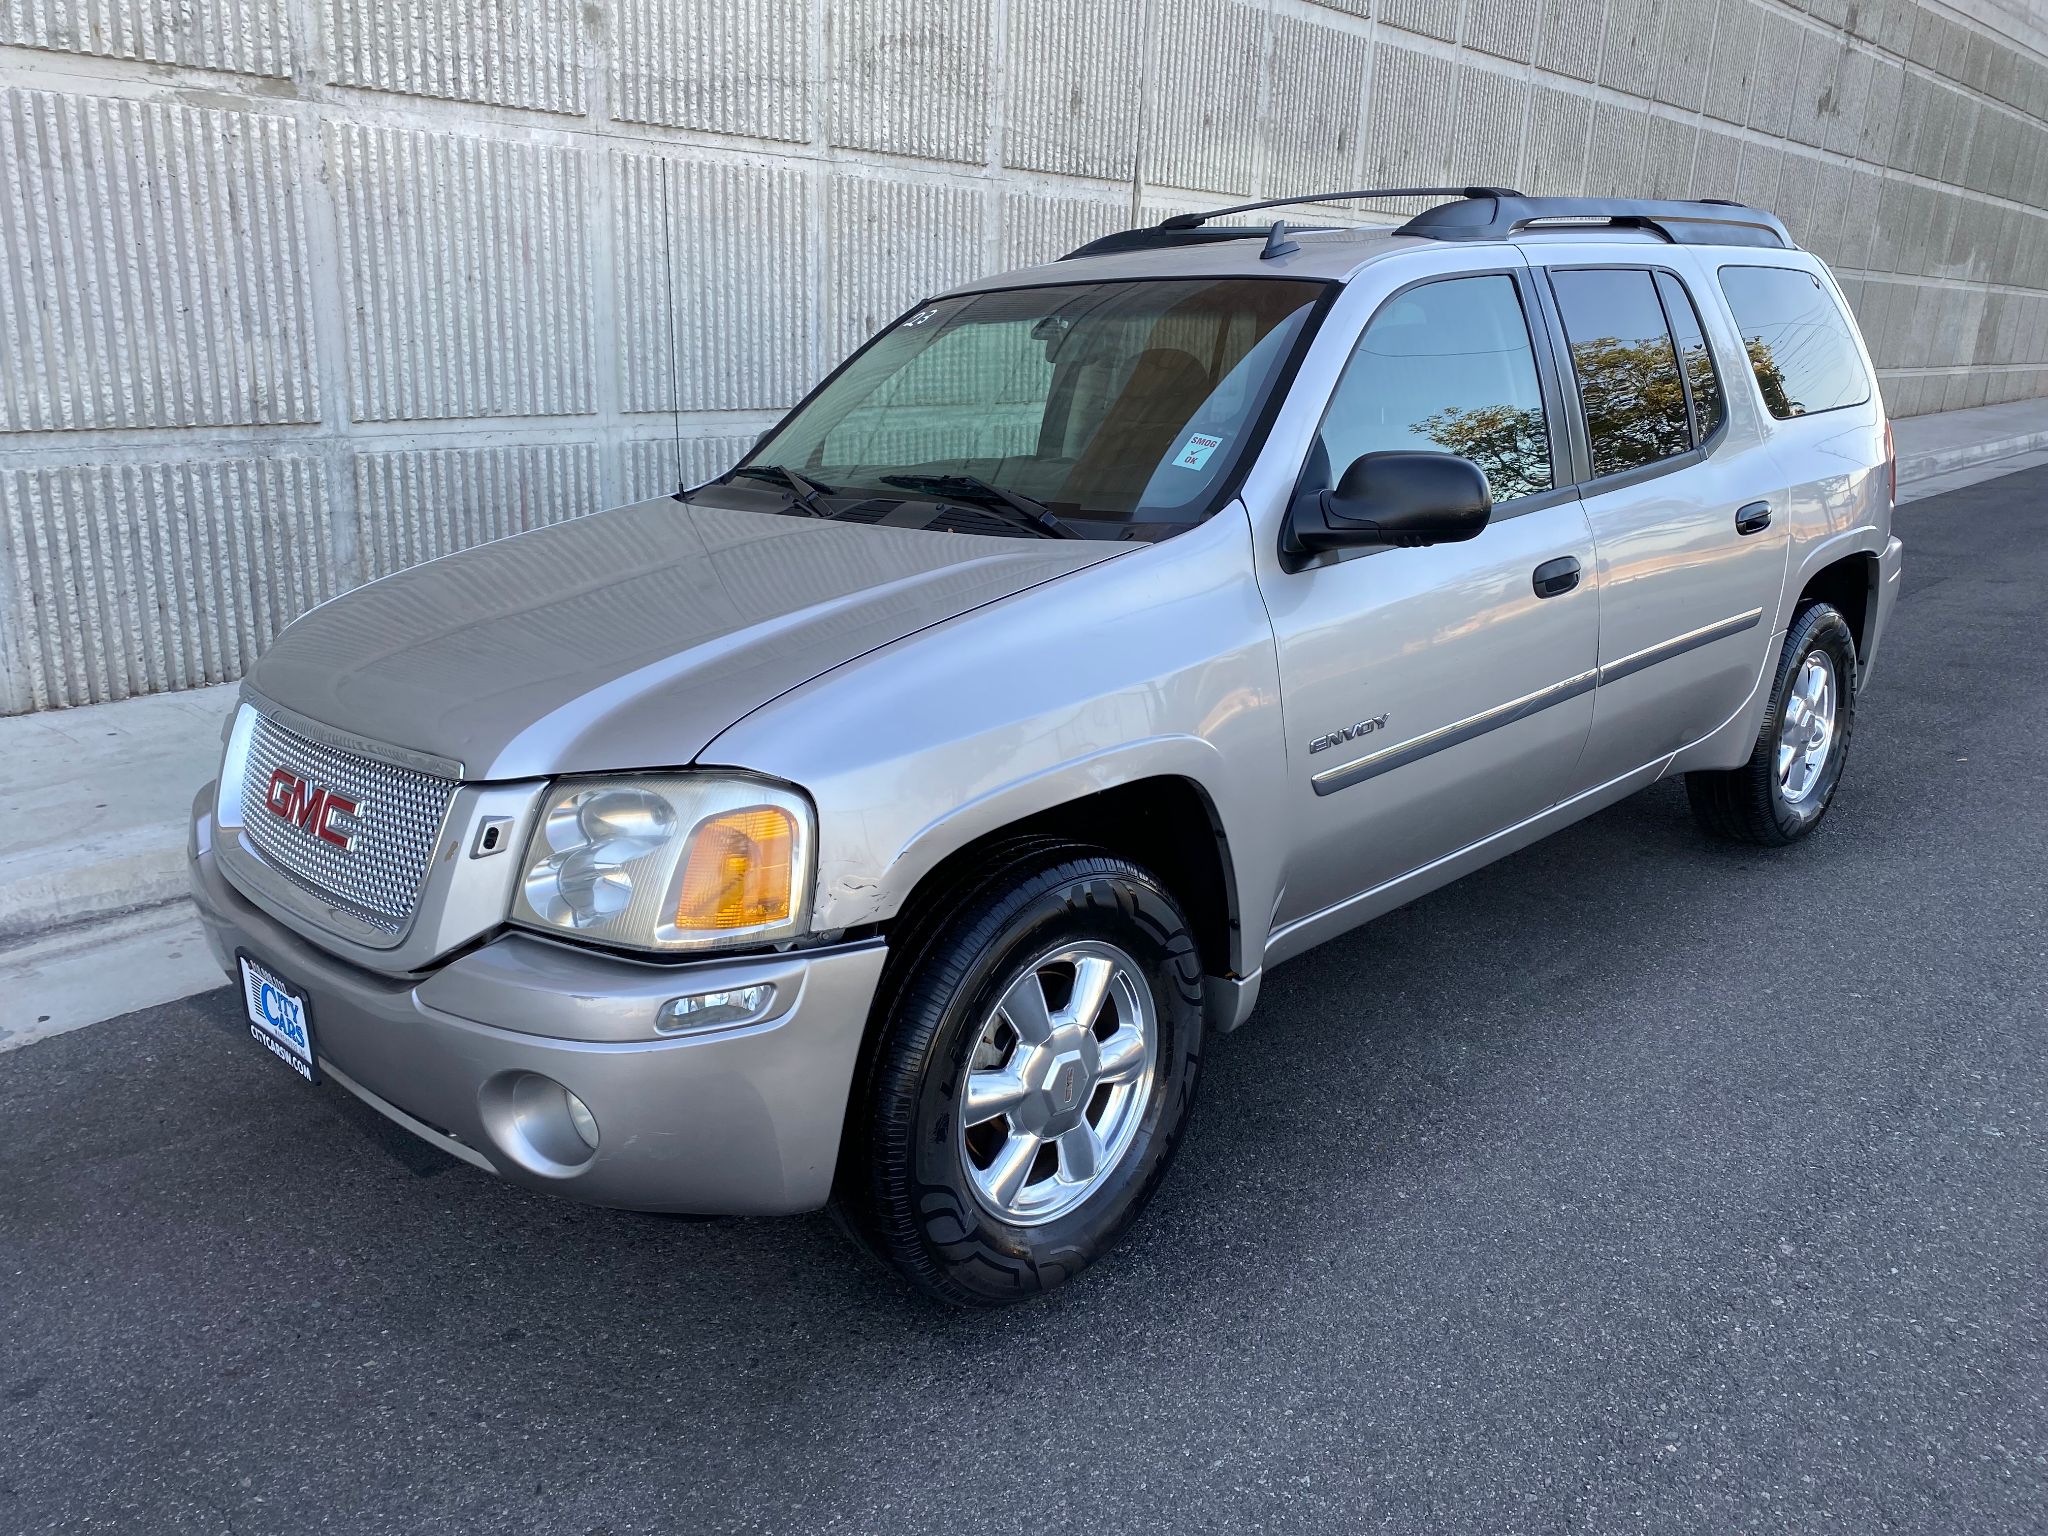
1165, 387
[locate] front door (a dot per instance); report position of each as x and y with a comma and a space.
1434, 696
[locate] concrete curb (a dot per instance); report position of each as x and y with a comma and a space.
1928, 463
44, 888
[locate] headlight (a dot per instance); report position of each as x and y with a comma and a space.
669, 861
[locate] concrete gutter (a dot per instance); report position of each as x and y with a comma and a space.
94, 921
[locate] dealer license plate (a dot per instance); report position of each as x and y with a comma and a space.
279, 1018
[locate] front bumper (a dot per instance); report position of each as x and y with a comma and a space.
742, 1121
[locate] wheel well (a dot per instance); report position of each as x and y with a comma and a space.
1847, 585
1166, 824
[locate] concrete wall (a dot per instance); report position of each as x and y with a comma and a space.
296, 292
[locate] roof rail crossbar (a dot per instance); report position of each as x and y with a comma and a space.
1707, 221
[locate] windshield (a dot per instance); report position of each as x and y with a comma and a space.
1111, 410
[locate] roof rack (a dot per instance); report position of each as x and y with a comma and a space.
1476, 213
1186, 228
1708, 221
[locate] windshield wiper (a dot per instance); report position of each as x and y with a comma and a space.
803, 491
1035, 515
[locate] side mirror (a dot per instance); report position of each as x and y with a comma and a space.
1393, 498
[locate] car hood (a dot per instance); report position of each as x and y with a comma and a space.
629, 638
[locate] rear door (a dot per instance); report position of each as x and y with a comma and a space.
1683, 499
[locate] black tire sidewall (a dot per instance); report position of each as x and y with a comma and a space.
1818, 628
976, 1256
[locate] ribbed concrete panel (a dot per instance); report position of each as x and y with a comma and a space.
1571, 37
1716, 164
139, 578
1491, 106
420, 504
248, 37
1820, 231
1554, 153
1040, 226
646, 467
1794, 196
1504, 28
1409, 120
524, 55
1312, 144
1429, 18
897, 240
1757, 181
1843, 126
1208, 58
1614, 166
1667, 157
467, 275
1775, 74
1814, 91
911, 77
1880, 112
1628, 49
735, 253
155, 266
1686, 54
727, 66
1070, 106
1737, 29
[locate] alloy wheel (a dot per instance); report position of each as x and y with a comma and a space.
1057, 1086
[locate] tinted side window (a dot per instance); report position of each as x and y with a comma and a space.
1799, 344
1627, 368
1443, 368
1708, 410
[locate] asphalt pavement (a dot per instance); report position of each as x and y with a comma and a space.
1634, 1184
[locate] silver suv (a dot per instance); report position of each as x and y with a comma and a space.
888, 822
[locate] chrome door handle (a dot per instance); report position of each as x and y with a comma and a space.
1754, 518
1556, 577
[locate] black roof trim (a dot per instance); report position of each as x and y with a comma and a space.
1476, 213
1709, 221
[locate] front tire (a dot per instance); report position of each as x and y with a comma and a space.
1786, 787
1031, 1079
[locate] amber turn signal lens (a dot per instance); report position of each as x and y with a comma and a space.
741, 871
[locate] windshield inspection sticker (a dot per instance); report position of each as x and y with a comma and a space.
1195, 452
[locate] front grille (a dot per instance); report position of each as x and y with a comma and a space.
399, 812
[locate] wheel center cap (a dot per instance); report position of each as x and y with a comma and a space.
1065, 1082
1061, 1078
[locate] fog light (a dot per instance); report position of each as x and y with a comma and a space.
713, 1010
580, 1117
538, 1123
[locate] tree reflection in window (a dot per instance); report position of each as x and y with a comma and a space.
1510, 444
1770, 378
1627, 368
1446, 366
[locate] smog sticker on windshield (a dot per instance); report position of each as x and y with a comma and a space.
1195, 452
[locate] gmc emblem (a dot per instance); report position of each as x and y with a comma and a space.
312, 810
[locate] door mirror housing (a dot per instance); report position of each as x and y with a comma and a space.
1400, 497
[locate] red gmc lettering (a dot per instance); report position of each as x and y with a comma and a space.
312, 810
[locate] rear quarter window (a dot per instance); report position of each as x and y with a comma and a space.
1799, 343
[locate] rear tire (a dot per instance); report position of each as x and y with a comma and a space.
1786, 787
1066, 989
